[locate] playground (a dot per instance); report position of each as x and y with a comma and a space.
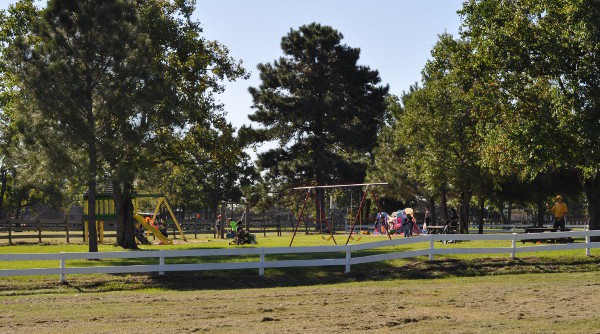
453, 294
210, 284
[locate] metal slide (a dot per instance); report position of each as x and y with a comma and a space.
153, 230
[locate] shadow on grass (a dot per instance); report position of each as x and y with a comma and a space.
413, 269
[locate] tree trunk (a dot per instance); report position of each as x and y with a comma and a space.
3, 177
465, 199
19, 207
124, 210
591, 186
503, 219
93, 166
444, 204
129, 226
92, 233
317, 210
433, 219
481, 211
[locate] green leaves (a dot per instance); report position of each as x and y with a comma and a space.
322, 108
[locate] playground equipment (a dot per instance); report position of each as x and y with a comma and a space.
156, 232
309, 191
396, 221
161, 199
105, 211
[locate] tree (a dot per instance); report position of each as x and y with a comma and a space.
322, 108
70, 66
211, 167
33, 168
119, 80
540, 58
407, 181
171, 93
437, 131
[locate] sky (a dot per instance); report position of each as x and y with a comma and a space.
395, 36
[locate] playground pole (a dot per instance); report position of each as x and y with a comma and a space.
309, 189
300, 216
357, 214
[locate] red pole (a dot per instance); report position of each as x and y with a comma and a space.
380, 215
300, 216
358, 213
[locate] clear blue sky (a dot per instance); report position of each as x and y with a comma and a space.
395, 36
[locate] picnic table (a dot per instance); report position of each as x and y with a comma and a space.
435, 229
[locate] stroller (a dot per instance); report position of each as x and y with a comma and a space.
242, 237
451, 227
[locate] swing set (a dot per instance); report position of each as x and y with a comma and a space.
310, 190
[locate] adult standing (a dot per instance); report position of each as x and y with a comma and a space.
217, 226
560, 211
453, 215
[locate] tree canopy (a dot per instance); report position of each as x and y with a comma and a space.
323, 109
511, 102
122, 81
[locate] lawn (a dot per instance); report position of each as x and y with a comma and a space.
543, 292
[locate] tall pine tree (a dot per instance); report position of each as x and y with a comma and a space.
321, 106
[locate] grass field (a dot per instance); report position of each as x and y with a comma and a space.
547, 292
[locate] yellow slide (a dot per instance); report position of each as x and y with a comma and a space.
153, 229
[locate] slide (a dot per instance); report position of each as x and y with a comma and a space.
153, 229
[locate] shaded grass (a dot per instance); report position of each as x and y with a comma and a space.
412, 268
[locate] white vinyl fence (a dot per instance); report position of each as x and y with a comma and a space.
263, 264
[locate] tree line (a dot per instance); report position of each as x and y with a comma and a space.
506, 111
123, 92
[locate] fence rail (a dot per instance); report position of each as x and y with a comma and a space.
340, 260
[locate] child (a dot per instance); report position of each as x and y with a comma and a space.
407, 227
162, 227
376, 229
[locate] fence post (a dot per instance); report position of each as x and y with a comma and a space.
348, 257
161, 261
587, 241
431, 247
67, 228
63, 266
513, 253
261, 270
39, 226
9, 231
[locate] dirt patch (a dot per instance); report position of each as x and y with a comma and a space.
529, 303
531, 295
